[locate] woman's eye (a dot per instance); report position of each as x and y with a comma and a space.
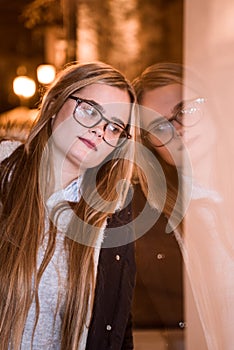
115, 129
88, 110
160, 128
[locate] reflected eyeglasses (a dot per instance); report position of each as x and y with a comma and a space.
187, 113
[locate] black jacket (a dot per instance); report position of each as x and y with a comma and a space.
158, 298
111, 326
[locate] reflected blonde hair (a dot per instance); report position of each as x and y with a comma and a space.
23, 214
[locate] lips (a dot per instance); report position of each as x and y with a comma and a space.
88, 143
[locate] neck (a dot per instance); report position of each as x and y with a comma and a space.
64, 172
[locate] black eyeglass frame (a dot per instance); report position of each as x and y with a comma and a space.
198, 100
102, 117
146, 133
170, 120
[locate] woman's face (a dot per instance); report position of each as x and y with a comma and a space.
162, 100
81, 147
167, 102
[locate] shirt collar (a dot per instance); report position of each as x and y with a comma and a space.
71, 194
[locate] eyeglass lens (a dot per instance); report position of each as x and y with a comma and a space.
187, 116
190, 113
163, 133
89, 116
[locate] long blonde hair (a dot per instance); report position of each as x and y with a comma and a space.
23, 215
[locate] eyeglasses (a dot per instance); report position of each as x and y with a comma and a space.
187, 114
88, 114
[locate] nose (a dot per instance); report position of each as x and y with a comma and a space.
98, 130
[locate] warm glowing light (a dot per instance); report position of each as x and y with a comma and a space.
24, 86
46, 73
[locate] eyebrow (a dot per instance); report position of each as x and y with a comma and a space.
174, 110
96, 104
118, 121
163, 118
103, 111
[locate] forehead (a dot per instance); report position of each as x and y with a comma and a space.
103, 93
163, 99
115, 101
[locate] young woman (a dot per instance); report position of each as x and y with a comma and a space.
63, 197
175, 123
159, 90
159, 280
180, 126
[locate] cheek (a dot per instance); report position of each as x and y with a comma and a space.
104, 151
91, 159
63, 114
172, 153
162, 151
64, 134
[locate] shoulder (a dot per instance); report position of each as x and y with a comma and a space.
7, 148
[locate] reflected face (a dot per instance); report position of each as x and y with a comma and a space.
163, 100
83, 147
173, 123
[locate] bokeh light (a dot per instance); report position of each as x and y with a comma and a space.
24, 86
46, 73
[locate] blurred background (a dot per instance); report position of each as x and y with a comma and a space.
127, 34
